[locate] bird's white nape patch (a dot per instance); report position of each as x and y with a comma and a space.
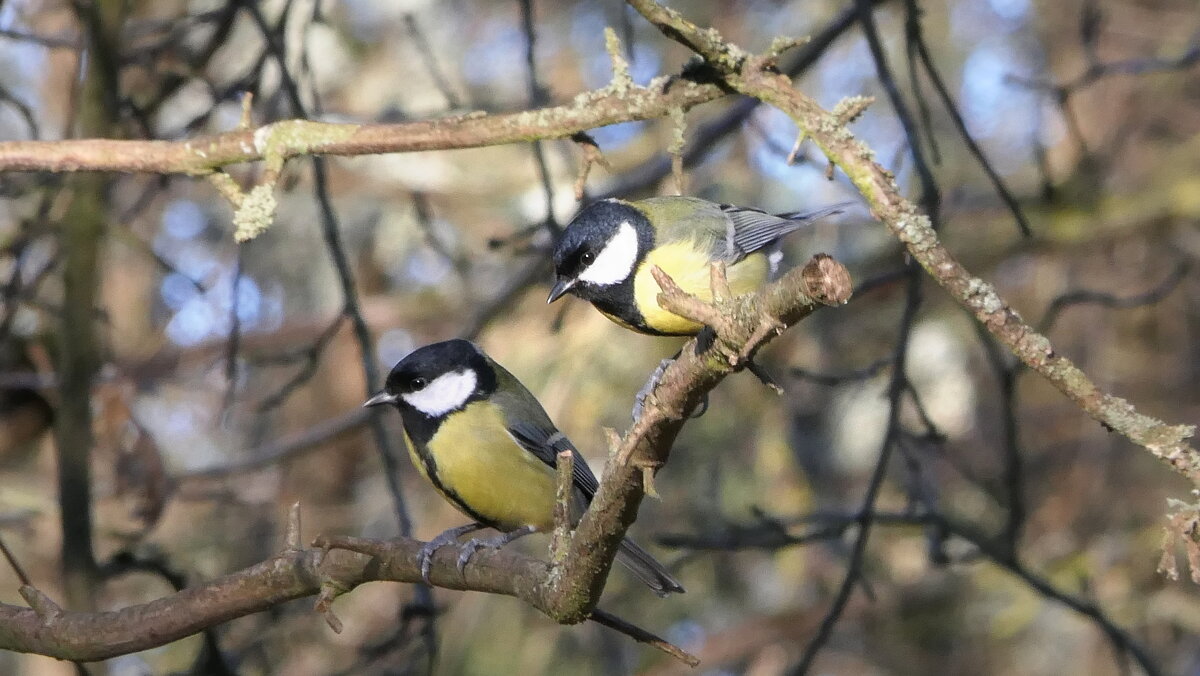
615, 261
444, 394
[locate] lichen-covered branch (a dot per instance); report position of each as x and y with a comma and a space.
756, 76
620, 101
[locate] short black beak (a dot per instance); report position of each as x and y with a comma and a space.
560, 287
380, 398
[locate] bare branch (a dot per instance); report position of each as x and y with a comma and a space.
618, 102
589, 154
292, 574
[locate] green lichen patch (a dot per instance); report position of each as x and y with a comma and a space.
289, 138
255, 214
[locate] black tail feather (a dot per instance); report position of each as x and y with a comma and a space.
647, 569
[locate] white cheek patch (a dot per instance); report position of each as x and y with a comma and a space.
615, 262
446, 393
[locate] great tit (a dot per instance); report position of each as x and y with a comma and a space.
487, 446
606, 253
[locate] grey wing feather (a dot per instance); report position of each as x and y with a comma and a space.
753, 229
546, 443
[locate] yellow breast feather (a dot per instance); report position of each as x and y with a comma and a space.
689, 267
483, 466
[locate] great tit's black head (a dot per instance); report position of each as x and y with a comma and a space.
600, 247
437, 379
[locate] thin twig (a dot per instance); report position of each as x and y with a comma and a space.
12, 562
425, 50
1083, 297
918, 41
642, 636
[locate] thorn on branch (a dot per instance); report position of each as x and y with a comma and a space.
648, 481
621, 80
292, 536
324, 605
591, 155
718, 281
851, 108
47, 610
247, 112
794, 154
675, 150
560, 542
780, 46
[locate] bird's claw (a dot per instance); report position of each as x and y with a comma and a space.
640, 399
466, 551
425, 558
468, 548
449, 537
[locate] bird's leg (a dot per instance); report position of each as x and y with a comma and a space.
470, 546
705, 339
448, 537
639, 402
640, 398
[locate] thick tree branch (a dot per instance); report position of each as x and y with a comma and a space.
755, 76
293, 573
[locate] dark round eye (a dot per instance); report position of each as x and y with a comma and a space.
417, 384
587, 258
